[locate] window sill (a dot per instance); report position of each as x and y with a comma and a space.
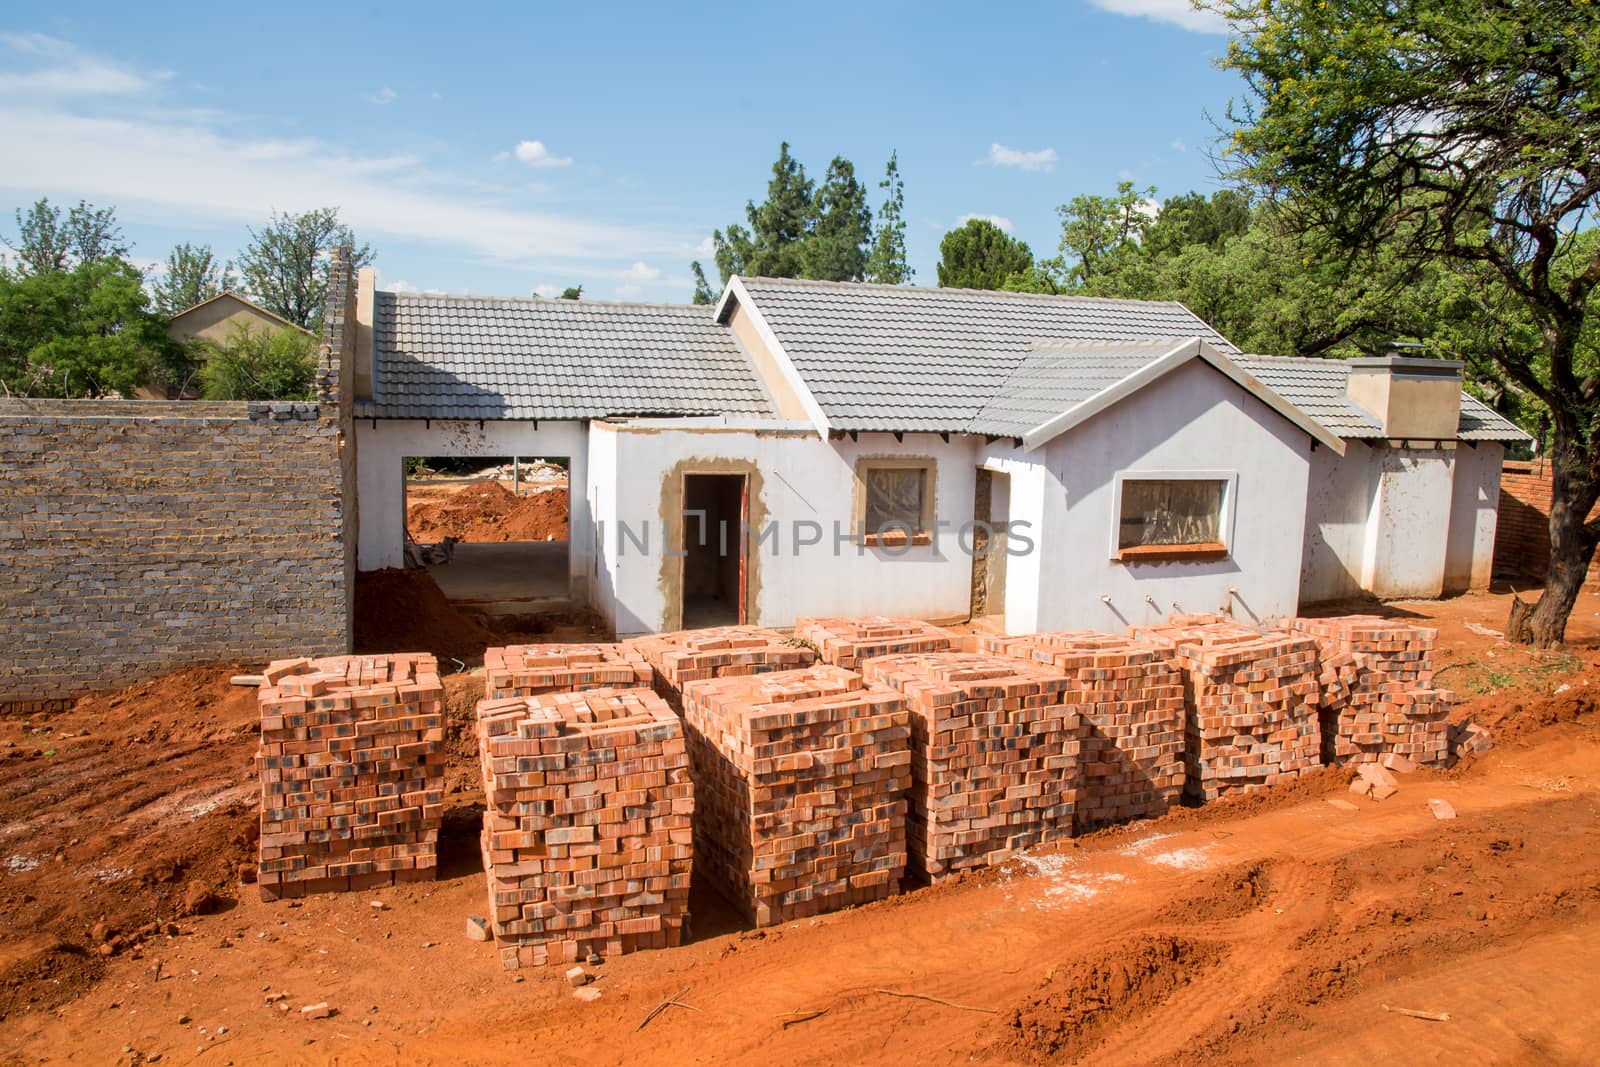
896, 539
1168, 553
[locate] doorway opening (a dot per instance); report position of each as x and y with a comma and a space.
991, 510
713, 544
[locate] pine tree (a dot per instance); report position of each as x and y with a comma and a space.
887, 264
840, 235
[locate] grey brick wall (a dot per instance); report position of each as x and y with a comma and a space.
138, 537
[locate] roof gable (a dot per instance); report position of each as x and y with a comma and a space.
229, 296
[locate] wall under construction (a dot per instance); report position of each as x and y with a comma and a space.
144, 536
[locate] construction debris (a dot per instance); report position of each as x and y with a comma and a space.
800, 778
352, 776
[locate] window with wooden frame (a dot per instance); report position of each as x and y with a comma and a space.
894, 501
1174, 516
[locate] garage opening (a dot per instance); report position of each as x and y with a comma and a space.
493, 532
713, 543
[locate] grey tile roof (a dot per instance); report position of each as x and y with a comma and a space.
1318, 387
1053, 379
487, 358
895, 357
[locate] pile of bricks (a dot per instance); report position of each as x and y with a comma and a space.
800, 785
719, 652
588, 830
994, 752
849, 642
529, 670
1130, 698
1251, 702
352, 773
1378, 698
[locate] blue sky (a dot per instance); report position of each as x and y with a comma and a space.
507, 150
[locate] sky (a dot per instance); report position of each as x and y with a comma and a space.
518, 149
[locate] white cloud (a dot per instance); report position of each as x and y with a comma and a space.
629, 292
641, 272
1173, 12
706, 248
66, 71
999, 220
1041, 159
535, 154
547, 291
193, 168
1177, 145
385, 95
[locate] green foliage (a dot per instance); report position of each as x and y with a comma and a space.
193, 274
260, 365
1460, 137
572, 292
980, 255
702, 288
1099, 231
83, 332
840, 234
45, 243
285, 268
888, 264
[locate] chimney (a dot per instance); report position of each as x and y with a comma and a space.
1411, 397
366, 287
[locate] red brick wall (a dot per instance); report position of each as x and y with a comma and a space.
1522, 532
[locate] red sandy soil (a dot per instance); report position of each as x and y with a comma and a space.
485, 511
1277, 928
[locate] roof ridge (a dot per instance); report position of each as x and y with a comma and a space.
799, 283
546, 301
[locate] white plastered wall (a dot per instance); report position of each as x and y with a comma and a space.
1405, 554
384, 444
806, 488
1474, 511
1340, 502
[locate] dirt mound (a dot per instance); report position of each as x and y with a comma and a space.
1521, 720
486, 511
405, 611
115, 811
1077, 1003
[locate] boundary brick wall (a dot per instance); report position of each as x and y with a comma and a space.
1522, 532
143, 536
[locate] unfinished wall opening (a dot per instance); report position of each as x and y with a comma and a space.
713, 545
991, 512
493, 531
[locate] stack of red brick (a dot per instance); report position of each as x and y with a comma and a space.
994, 750
719, 652
1130, 698
1378, 698
352, 773
529, 670
800, 785
850, 642
588, 832
1251, 702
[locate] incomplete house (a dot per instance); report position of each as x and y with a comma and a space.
811, 448
217, 319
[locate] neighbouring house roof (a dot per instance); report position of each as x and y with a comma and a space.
1059, 385
1319, 387
230, 296
487, 358
896, 357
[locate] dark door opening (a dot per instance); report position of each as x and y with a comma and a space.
713, 545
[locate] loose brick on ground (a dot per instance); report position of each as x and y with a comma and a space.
529, 670
588, 828
1251, 702
849, 642
994, 750
1378, 699
352, 773
718, 652
1130, 696
801, 780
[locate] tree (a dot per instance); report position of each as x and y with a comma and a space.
777, 227
193, 274
83, 332
572, 292
1098, 230
1471, 131
285, 268
260, 365
887, 264
840, 232
980, 255
46, 243
702, 288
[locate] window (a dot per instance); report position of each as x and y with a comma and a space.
1173, 518
894, 504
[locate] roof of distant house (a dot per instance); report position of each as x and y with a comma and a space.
230, 295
